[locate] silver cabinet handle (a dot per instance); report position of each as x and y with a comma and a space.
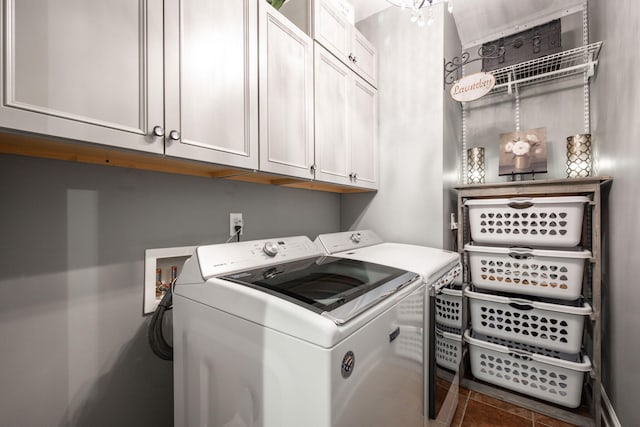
355, 59
158, 131
174, 135
355, 176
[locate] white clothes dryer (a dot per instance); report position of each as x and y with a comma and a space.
438, 268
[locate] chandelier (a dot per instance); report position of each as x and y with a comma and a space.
417, 7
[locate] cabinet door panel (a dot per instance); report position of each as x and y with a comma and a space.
286, 96
332, 85
366, 58
211, 80
88, 70
332, 30
364, 134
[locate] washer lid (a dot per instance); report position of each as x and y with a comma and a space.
338, 288
431, 263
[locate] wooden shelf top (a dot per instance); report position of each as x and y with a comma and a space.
42, 147
538, 182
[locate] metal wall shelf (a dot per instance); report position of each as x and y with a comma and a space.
567, 63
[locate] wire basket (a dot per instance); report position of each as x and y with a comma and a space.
552, 326
545, 273
557, 379
541, 221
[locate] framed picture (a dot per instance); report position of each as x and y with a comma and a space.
523, 152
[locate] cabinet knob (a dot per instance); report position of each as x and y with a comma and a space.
355, 176
158, 131
351, 57
355, 59
312, 168
174, 135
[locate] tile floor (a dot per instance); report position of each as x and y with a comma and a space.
478, 410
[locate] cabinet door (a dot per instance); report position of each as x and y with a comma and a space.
340, 37
364, 134
211, 82
286, 96
333, 81
86, 70
365, 58
332, 30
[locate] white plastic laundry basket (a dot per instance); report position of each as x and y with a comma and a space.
537, 221
557, 379
552, 326
448, 347
449, 307
546, 273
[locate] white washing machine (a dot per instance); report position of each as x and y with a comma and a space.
437, 268
274, 333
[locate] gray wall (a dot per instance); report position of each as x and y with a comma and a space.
616, 103
408, 206
74, 347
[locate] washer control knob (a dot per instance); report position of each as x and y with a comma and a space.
271, 249
355, 237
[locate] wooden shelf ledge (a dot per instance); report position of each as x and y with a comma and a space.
37, 146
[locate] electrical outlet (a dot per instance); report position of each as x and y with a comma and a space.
235, 219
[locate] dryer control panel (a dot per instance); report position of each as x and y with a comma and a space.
339, 242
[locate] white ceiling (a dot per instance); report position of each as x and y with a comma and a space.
483, 20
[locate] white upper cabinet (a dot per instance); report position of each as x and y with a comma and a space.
365, 58
333, 81
329, 27
211, 81
332, 30
364, 134
286, 96
224, 82
83, 70
346, 120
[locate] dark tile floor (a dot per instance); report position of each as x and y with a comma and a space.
478, 410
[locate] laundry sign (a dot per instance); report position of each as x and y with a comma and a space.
473, 87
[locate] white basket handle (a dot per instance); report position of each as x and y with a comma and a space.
521, 305
520, 253
520, 353
520, 203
